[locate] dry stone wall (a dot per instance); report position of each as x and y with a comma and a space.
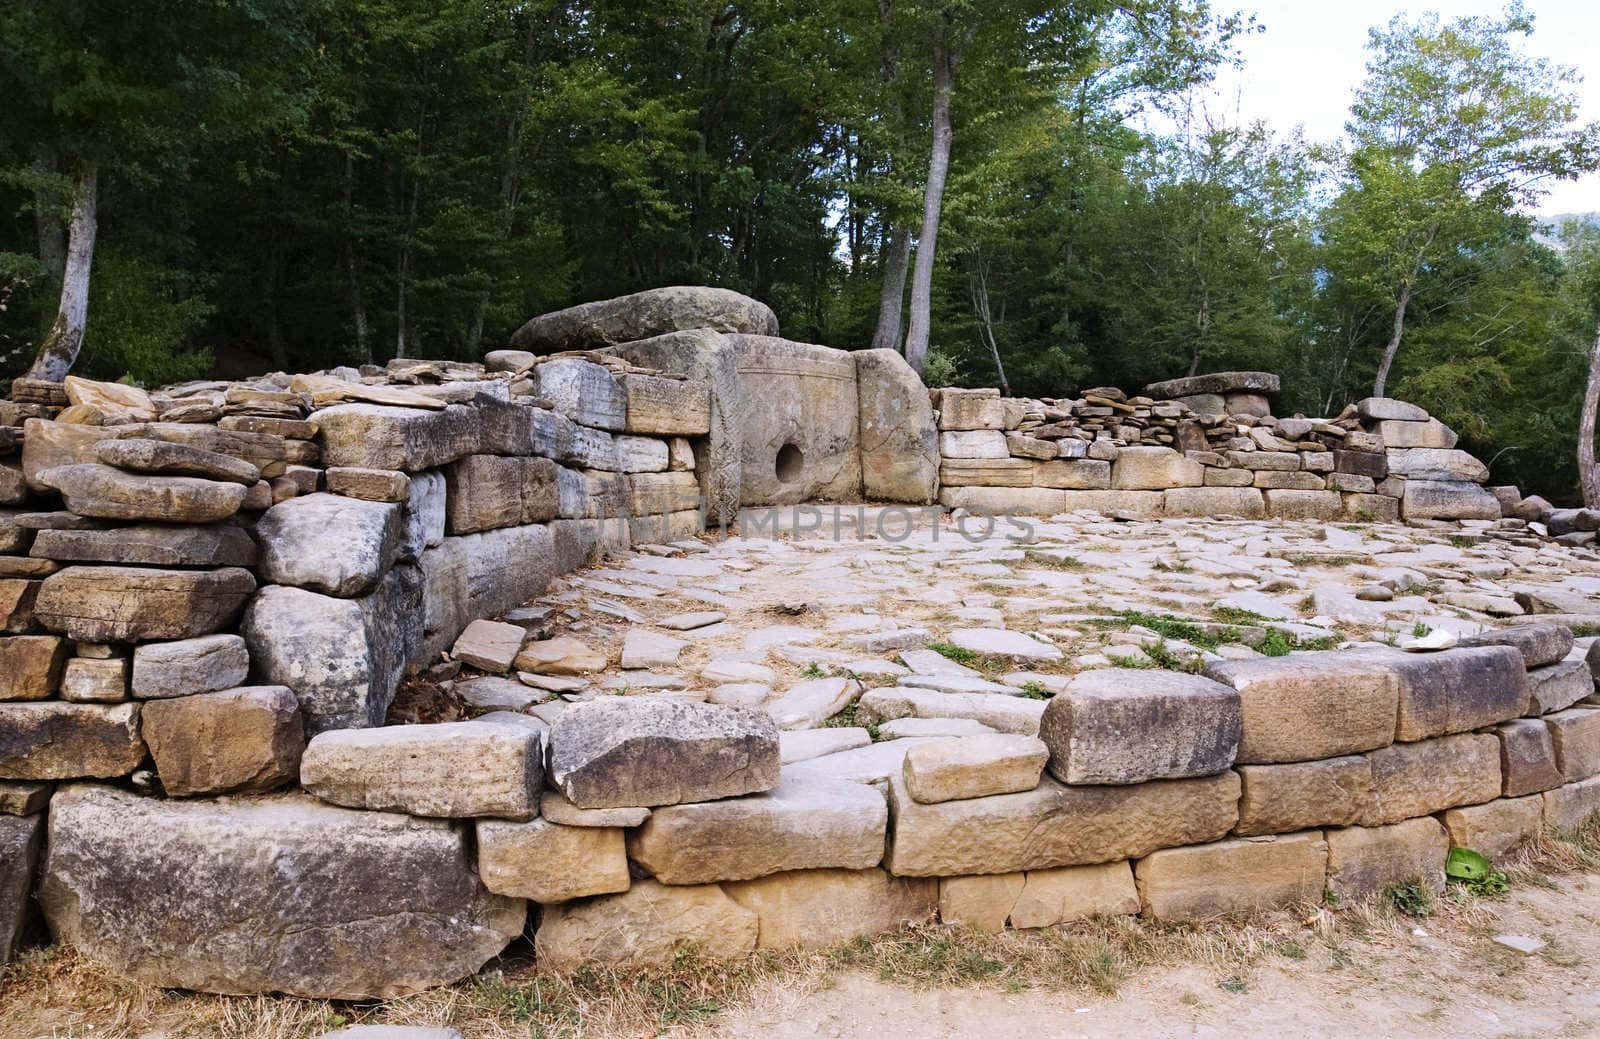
211, 594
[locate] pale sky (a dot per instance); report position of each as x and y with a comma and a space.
1303, 70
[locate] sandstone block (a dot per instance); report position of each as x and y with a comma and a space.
1233, 876
651, 494
1414, 779
557, 809
1568, 807
329, 543
546, 862
1075, 474
249, 738
1430, 499
899, 438
1558, 686
382, 905
639, 752
956, 473
666, 407
454, 770
105, 493
1426, 433
123, 604
1575, 736
343, 658
799, 825
86, 680
1226, 478
24, 798
971, 409
1303, 504
1056, 825
562, 655
973, 766
30, 666
376, 436
642, 315
17, 598
981, 902
150, 545
999, 711
585, 392
1455, 691
1496, 827
1370, 508
1243, 501
1265, 383
1540, 644
424, 516
21, 840
1265, 461
202, 665
641, 454
485, 492
1154, 469
972, 444
1438, 464
385, 485
52, 740
1125, 726
489, 645
156, 456
1304, 795
822, 907
1527, 757
1297, 481
1306, 706
646, 926
1376, 409
1367, 861
1058, 896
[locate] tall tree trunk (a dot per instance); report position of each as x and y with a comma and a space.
891, 299
1393, 346
47, 222
274, 272
978, 286
945, 58
1587, 476
59, 350
358, 305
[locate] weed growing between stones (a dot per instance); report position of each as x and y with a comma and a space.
1055, 560
1414, 899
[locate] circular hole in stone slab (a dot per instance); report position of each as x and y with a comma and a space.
790, 463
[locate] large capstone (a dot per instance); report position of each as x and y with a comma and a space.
641, 315
627, 752
268, 894
899, 440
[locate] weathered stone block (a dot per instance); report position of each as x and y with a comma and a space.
329, 543
1430, 432
374, 436
202, 665
973, 444
971, 409
547, 862
649, 925
1306, 706
1496, 827
1455, 691
899, 448
1376, 409
1575, 737
102, 492
1076, 474
585, 392
956, 473
1242, 501
1057, 896
249, 738
1303, 505
24, 798
1568, 807
485, 492
1304, 795
1367, 861
1126, 726
1298, 481
52, 740
1527, 757
423, 520
1414, 779
799, 825
642, 454
1233, 876
1429, 499
1558, 686
984, 902
382, 904
627, 752
21, 840
973, 766
651, 494
150, 545
124, 604
344, 658
1540, 644
1438, 464
156, 456
489, 645
642, 315
30, 666
822, 907
1370, 508
666, 407
1265, 461
1227, 478
17, 598
1056, 825
1154, 469
369, 484
86, 680
454, 769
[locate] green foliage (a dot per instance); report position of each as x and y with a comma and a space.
951, 651
144, 318
1415, 899
1035, 691
813, 670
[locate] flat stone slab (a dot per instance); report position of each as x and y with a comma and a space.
1540, 644
150, 545
156, 456
382, 904
810, 703
649, 925
454, 770
625, 752
546, 861
1000, 711
101, 492
973, 766
1307, 706
799, 824
1220, 383
805, 744
127, 604
1000, 642
1128, 726
489, 645
643, 648
53, 740
188, 666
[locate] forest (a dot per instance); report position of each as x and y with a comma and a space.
1013, 192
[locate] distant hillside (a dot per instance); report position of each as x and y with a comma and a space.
1552, 225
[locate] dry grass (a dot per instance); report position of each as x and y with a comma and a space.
60, 995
